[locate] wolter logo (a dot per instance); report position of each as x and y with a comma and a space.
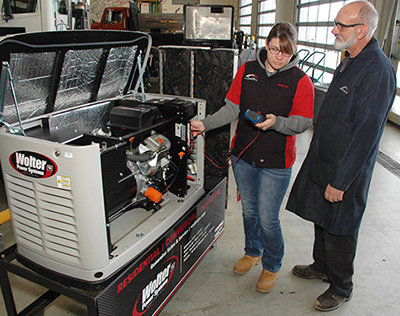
33, 164
155, 286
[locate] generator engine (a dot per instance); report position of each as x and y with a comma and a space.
149, 163
140, 162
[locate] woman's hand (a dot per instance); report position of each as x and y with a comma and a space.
268, 123
197, 127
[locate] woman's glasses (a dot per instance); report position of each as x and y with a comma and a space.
276, 51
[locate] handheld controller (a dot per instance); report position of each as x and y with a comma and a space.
254, 116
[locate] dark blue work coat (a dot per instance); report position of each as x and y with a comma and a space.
345, 142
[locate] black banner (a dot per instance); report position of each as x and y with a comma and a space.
149, 282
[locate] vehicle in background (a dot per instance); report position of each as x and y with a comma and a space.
128, 18
118, 18
25, 16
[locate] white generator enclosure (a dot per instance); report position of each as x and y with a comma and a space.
94, 171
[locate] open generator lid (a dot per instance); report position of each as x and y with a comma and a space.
53, 71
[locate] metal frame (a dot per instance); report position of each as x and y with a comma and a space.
55, 289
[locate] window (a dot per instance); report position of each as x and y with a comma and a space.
265, 19
315, 23
23, 6
113, 16
245, 8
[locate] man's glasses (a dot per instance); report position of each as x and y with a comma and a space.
276, 51
342, 26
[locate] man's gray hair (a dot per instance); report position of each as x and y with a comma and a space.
369, 16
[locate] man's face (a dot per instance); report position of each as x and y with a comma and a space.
345, 29
342, 44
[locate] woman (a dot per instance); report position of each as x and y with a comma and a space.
263, 153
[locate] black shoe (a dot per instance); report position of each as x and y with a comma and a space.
308, 272
330, 301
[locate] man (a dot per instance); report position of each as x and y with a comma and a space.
331, 188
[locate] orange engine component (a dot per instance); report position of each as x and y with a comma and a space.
153, 195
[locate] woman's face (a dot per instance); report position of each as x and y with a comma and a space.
275, 58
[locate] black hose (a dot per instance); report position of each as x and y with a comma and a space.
139, 157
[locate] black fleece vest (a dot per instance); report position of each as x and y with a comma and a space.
266, 95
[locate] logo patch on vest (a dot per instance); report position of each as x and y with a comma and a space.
251, 77
345, 89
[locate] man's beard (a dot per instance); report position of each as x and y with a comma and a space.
339, 44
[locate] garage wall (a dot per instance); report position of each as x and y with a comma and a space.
285, 11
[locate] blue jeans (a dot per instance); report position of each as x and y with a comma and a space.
262, 191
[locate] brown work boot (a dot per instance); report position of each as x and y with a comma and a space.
245, 264
266, 281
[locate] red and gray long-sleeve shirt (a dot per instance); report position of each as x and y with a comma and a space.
287, 93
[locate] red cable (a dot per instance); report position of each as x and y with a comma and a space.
231, 164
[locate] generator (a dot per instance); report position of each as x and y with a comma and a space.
95, 170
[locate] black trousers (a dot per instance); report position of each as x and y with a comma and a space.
334, 255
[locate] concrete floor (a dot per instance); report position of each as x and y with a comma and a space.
213, 289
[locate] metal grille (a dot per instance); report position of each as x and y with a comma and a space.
44, 218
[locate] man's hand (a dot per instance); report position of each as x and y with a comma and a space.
268, 123
333, 195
